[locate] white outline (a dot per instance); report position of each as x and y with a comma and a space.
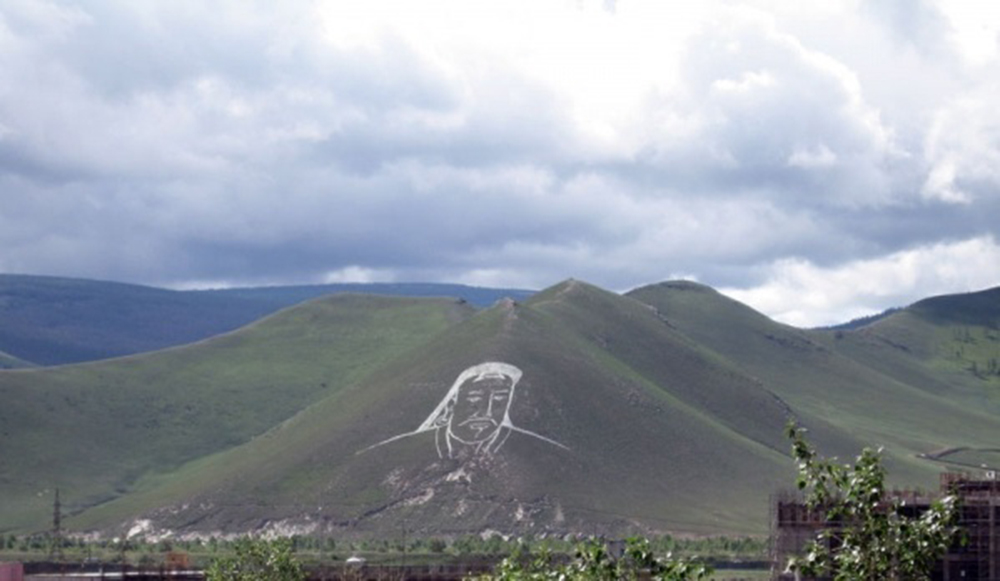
440, 419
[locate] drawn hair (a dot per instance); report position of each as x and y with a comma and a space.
442, 413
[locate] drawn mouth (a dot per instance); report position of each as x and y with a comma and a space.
478, 424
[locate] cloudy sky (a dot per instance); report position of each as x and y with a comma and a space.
819, 161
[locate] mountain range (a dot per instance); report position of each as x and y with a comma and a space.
48, 320
573, 409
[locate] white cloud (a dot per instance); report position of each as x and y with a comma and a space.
767, 112
800, 293
818, 157
963, 147
357, 274
513, 143
975, 28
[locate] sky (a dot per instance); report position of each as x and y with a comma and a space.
818, 161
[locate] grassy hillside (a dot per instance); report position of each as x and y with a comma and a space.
844, 383
53, 321
661, 410
481, 297
661, 435
11, 362
95, 429
948, 348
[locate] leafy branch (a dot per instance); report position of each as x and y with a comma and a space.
866, 533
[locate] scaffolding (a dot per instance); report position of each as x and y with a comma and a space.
978, 517
977, 557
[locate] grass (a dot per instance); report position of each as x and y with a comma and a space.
96, 429
10, 362
54, 321
573, 391
671, 400
880, 384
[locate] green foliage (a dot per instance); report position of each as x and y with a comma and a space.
437, 545
256, 559
869, 536
593, 562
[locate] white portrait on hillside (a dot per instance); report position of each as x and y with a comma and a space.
474, 416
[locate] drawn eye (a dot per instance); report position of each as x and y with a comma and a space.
474, 398
499, 397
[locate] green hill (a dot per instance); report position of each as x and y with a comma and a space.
863, 386
660, 410
55, 321
288, 295
655, 430
94, 429
52, 321
946, 347
11, 362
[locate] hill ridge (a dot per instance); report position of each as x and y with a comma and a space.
56, 320
667, 405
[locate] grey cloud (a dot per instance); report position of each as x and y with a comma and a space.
146, 80
763, 101
916, 24
160, 143
122, 47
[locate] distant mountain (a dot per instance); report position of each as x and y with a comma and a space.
53, 321
975, 308
659, 410
862, 321
11, 362
480, 297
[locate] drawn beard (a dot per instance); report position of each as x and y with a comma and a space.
479, 426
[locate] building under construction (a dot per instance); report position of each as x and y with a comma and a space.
794, 525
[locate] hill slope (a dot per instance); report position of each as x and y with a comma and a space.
10, 362
650, 431
288, 295
947, 347
54, 321
854, 384
659, 410
95, 429
51, 321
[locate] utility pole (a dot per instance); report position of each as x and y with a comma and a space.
403, 573
56, 547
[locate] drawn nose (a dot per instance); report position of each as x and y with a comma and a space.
480, 410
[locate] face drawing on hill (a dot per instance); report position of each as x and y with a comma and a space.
474, 416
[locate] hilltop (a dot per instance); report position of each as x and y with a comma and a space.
658, 410
53, 321
11, 362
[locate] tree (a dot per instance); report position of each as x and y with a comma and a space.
873, 538
437, 545
593, 563
256, 559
